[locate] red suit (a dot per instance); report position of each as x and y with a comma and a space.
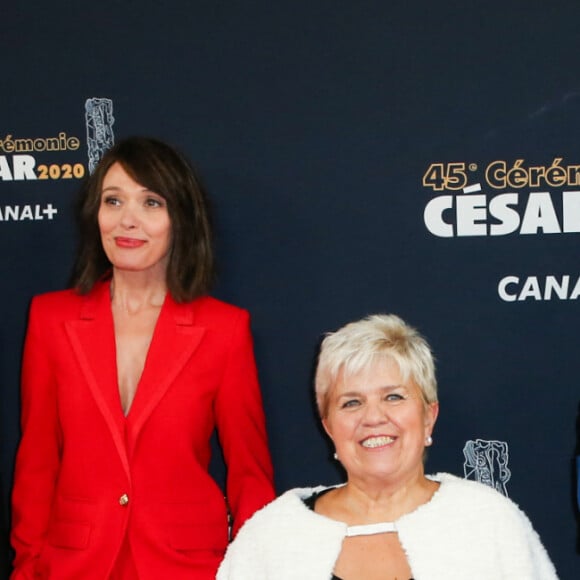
90, 481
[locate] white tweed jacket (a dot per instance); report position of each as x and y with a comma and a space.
467, 530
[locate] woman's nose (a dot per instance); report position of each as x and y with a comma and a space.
129, 216
375, 414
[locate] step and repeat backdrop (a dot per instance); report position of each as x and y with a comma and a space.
361, 157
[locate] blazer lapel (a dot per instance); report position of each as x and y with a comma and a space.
92, 338
174, 341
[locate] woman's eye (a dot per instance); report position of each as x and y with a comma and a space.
111, 200
394, 397
154, 202
350, 403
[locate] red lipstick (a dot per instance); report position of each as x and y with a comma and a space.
129, 242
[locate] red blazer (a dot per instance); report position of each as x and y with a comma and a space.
86, 476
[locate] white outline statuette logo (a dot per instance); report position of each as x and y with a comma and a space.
99, 120
486, 462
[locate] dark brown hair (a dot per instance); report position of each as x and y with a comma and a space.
160, 168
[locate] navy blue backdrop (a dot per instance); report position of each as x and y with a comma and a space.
362, 157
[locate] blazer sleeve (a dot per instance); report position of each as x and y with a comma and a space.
241, 428
38, 457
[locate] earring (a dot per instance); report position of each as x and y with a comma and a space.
428, 440
335, 456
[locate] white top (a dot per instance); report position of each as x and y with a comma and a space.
466, 530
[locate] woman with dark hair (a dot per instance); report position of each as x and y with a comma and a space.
124, 379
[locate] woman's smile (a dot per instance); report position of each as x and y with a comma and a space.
377, 441
129, 243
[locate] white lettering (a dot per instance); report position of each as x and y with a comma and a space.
509, 288
571, 211
433, 216
530, 289
49, 211
22, 168
448, 216
471, 215
27, 212
5, 173
509, 219
560, 288
502, 288
576, 291
540, 213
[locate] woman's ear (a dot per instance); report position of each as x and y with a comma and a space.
326, 427
431, 414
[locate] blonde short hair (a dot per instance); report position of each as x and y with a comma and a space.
357, 345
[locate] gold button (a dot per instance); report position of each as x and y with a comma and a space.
124, 500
